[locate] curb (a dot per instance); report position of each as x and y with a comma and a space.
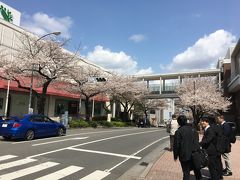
140, 170
145, 172
150, 165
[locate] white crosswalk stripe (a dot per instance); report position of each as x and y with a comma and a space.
96, 175
61, 173
16, 163
27, 171
6, 157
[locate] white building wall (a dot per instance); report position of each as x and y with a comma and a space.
164, 115
19, 104
51, 106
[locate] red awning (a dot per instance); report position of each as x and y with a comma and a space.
55, 89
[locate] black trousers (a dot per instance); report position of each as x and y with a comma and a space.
214, 166
187, 166
220, 166
171, 142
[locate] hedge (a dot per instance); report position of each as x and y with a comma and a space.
83, 124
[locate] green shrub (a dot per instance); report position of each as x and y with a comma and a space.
93, 124
118, 124
73, 124
116, 119
105, 123
78, 124
99, 118
131, 123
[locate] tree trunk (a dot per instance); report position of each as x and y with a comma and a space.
145, 112
196, 117
125, 115
42, 98
87, 109
126, 112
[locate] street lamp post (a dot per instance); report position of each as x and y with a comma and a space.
30, 110
7, 97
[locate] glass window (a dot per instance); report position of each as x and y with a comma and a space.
37, 119
97, 108
1, 103
152, 111
60, 107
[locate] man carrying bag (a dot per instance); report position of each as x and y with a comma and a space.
185, 143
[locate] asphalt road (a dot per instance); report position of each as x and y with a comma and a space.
87, 154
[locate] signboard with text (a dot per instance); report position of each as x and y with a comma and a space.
9, 14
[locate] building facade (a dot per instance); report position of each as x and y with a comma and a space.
234, 83
17, 100
163, 86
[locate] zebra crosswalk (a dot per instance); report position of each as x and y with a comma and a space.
60, 174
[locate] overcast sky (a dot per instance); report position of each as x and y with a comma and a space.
139, 36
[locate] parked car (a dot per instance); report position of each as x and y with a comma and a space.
30, 126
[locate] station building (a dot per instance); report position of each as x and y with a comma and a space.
230, 68
57, 101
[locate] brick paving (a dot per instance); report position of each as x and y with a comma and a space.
165, 168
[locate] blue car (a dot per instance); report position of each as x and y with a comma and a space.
30, 126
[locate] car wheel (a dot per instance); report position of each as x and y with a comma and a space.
7, 137
60, 132
29, 135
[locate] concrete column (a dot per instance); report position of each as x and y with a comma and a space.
50, 108
160, 87
163, 88
114, 110
219, 80
173, 106
109, 115
180, 79
80, 106
93, 108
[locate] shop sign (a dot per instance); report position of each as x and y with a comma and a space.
6, 14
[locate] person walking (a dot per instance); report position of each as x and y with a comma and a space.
173, 127
219, 133
209, 142
186, 142
226, 155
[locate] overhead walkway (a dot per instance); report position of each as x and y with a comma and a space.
163, 86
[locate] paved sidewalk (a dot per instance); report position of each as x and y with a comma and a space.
165, 168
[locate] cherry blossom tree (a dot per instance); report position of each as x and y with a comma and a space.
143, 105
202, 96
83, 80
45, 60
127, 91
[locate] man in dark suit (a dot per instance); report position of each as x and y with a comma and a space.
226, 156
209, 142
185, 143
218, 132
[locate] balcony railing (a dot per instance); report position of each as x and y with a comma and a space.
167, 89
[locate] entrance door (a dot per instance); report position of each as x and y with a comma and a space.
73, 107
9, 105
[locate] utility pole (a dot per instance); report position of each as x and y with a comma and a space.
7, 97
